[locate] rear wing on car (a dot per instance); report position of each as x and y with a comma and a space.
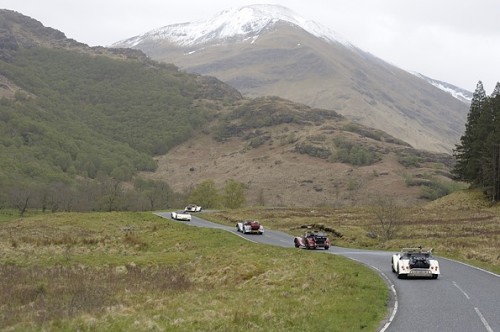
416, 251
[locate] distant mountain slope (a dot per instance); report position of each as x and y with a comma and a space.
269, 50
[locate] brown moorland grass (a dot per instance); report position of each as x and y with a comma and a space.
140, 272
463, 226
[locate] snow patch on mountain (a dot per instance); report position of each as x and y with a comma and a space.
245, 22
459, 93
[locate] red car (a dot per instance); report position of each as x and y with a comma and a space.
312, 240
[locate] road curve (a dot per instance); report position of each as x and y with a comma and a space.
462, 299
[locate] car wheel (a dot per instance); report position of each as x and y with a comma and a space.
327, 247
392, 265
435, 276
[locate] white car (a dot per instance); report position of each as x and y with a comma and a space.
192, 208
181, 215
250, 226
415, 262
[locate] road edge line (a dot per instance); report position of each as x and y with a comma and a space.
475, 267
392, 289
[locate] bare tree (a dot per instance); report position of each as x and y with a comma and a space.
111, 191
389, 215
20, 198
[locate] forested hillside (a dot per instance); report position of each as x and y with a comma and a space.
68, 115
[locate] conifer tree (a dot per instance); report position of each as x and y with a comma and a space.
478, 155
467, 152
492, 151
496, 91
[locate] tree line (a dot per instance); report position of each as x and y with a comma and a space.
108, 194
478, 154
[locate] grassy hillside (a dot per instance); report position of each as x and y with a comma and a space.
289, 154
139, 272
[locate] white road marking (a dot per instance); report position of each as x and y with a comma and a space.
395, 308
460, 289
485, 322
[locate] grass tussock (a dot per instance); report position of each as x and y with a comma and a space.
139, 272
40, 295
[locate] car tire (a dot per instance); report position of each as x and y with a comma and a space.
327, 247
435, 276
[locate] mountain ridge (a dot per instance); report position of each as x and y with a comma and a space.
245, 22
288, 61
248, 22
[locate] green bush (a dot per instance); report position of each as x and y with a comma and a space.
313, 151
434, 189
350, 153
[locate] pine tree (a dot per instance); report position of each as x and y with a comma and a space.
492, 151
478, 155
467, 153
496, 91
484, 136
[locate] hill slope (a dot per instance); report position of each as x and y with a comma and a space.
289, 154
70, 111
71, 114
269, 50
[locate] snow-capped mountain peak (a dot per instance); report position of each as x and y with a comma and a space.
245, 22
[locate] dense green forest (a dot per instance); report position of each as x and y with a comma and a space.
81, 120
478, 154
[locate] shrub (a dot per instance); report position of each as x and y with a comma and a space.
350, 153
313, 151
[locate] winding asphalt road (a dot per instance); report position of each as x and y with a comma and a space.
462, 299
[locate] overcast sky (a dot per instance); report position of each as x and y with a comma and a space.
455, 41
